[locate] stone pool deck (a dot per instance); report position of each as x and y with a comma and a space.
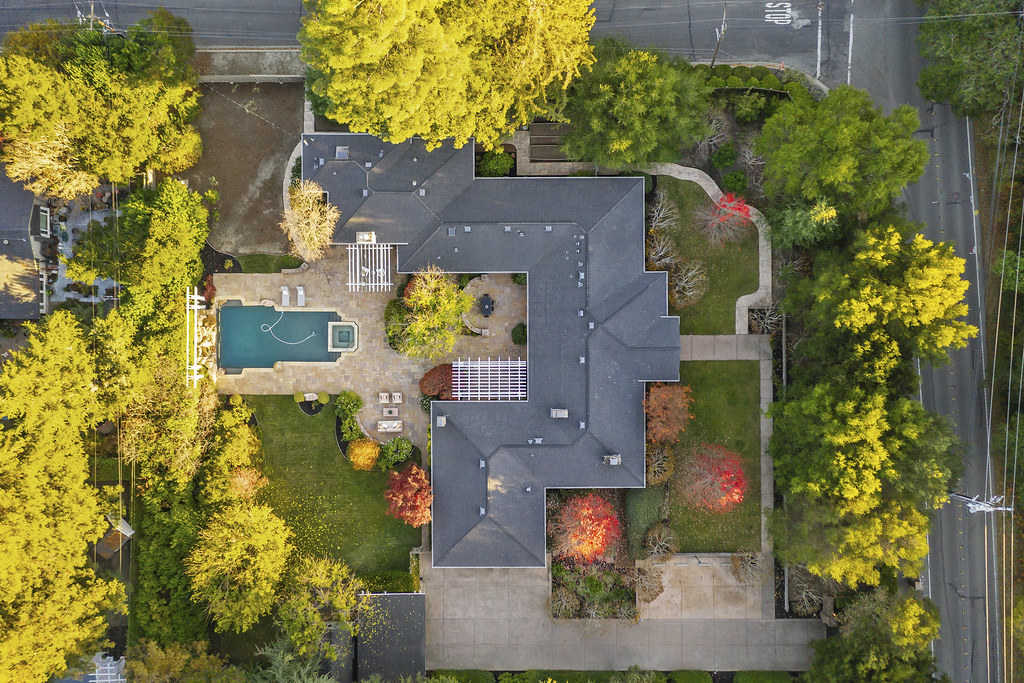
375, 367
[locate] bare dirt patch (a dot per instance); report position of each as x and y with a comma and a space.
249, 130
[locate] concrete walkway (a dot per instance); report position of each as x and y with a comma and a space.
497, 619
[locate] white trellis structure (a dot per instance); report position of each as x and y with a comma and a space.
489, 379
369, 267
194, 302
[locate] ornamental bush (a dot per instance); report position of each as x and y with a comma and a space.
346, 406
394, 452
735, 182
584, 527
438, 382
409, 495
661, 462
724, 156
519, 278
668, 412
395, 315
323, 398
519, 334
496, 163
713, 477
363, 453
299, 397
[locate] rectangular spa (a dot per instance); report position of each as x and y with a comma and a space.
259, 336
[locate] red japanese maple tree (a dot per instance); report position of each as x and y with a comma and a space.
713, 477
438, 382
409, 495
668, 411
725, 220
584, 528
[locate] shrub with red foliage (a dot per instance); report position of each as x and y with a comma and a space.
438, 382
726, 220
209, 291
409, 286
584, 528
713, 478
409, 495
668, 412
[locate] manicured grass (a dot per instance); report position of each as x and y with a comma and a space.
643, 510
332, 509
726, 411
731, 268
268, 263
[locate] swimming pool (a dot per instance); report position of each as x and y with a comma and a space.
259, 336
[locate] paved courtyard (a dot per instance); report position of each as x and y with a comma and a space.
498, 619
375, 367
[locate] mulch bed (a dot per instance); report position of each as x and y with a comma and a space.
311, 407
216, 261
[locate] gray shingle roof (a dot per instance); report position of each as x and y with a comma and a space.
581, 240
19, 277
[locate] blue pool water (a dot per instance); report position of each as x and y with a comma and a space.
259, 336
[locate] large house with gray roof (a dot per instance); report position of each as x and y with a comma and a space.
598, 324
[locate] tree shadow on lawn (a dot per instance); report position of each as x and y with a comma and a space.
332, 509
726, 411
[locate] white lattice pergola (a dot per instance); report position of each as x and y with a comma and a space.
369, 267
494, 379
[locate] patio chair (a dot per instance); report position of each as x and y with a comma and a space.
285, 297
300, 296
384, 397
396, 397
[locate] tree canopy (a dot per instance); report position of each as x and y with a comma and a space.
237, 565
843, 150
120, 102
883, 638
634, 107
973, 56
436, 305
438, 69
309, 223
53, 607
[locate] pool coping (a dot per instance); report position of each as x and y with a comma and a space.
280, 365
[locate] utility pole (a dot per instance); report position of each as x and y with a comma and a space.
975, 505
719, 34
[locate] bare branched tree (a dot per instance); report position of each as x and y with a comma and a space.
664, 214
727, 220
797, 262
564, 603
661, 253
807, 591
661, 540
660, 463
47, 166
716, 134
767, 320
752, 568
754, 164
647, 583
311, 221
690, 282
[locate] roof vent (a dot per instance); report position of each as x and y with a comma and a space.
579, 313
423, 192
581, 275
590, 325
529, 489
380, 154
414, 183
483, 464
538, 440
483, 511
340, 152
615, 459
583, 360
368, 164
366, 238
547, 228
456, 250
442, 420
321, 161
522, 234
508, 228
467, 228
583, 425
559, 413
366, 193
451, 232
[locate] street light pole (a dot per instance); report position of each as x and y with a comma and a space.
719, 34
975, 505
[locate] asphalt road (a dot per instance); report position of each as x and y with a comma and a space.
960, 568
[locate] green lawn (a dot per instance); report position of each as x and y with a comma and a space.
731, 268
268, 263
726, 411
332, 509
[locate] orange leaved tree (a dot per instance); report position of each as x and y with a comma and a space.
409, 495
713, 478
584, 528
668, 412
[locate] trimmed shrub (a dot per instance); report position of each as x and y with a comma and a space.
716, 82
661, 540
346, 406
762, 677
438, 382
724, 156
395, 581
465, 675
722, 71
323, 398
735, 182
466, 278
519, 334
752, 83
425, 402
519, 278
741, 72
235, 400
496, 163
668, 411
661, 462
771, 82
395, 314
362, 453
748, 107
689, 677
734, 82
761, 72
299, 397
394, 452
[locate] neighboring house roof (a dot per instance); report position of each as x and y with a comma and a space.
391, 643
19, 276
581, 240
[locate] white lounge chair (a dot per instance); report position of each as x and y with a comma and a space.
300, 296
285, 298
